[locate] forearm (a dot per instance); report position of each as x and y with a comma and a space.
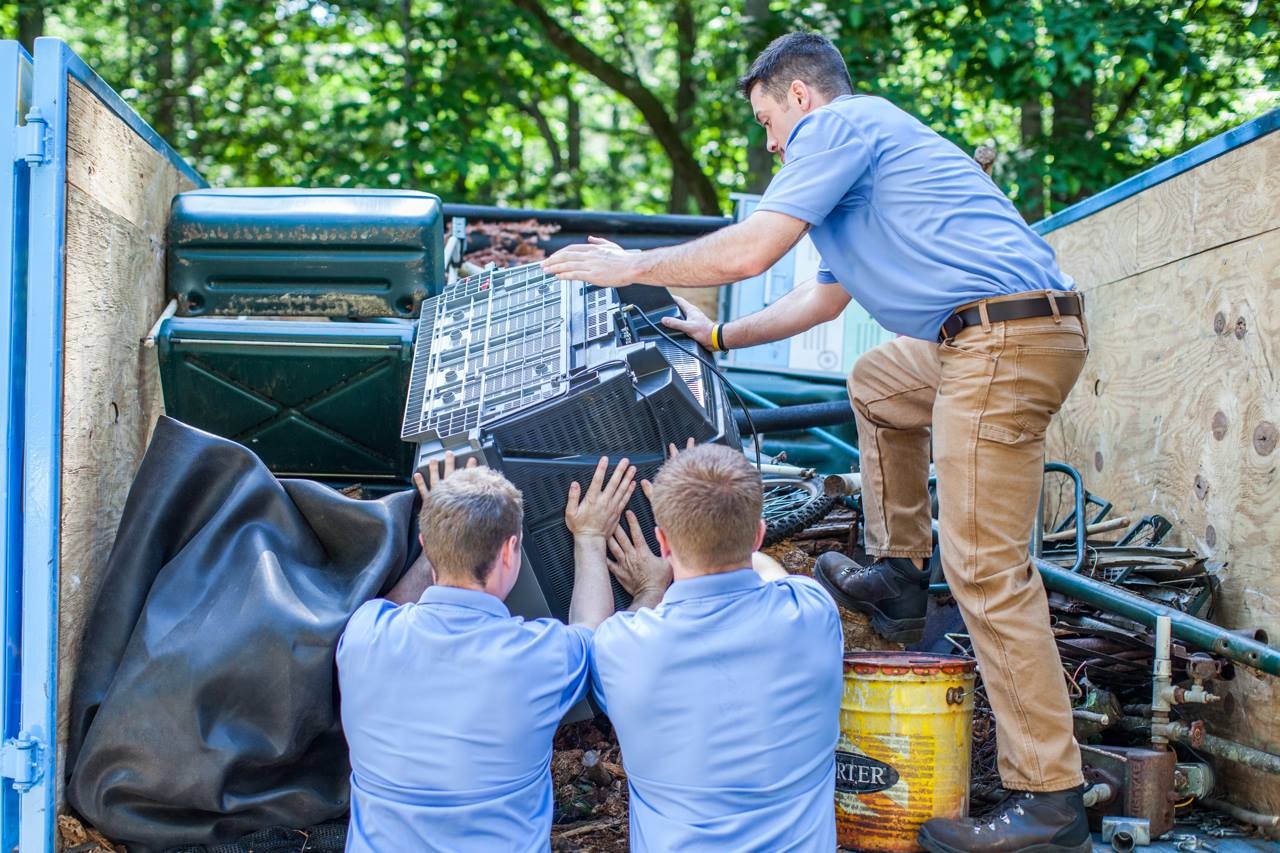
797, 311
646, 598
714, 259
768, 568
413, 583
592, 600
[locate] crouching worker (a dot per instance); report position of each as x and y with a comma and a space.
726, 695
449, 703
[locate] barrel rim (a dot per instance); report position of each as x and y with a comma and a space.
908, 663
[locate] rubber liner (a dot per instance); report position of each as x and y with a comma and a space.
206, 702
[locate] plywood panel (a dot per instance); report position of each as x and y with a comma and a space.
1176, 413
118, 196
1229, 198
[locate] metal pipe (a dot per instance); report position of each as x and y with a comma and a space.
802, 416
1081, 523
1161, 682
1189, 629
1242, 814
765, 403
1197, 738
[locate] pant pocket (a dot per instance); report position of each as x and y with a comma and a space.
1044, 376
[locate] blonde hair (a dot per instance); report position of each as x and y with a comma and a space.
708, 502
466, 519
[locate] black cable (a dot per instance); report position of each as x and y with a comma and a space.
755, 436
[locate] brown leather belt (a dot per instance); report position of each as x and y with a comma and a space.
1070, 303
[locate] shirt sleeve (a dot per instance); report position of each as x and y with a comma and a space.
825, 276
811, 598
362, 625
578, 662
604, 639
825, 157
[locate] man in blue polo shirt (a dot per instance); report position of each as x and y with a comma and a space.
993, 340
726, 696
449, 703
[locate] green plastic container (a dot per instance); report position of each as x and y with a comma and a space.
305, 252
321, 400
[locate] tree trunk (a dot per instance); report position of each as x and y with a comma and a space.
165, 82
686, 39
1072, 141
30, 23
1031, 125
683, 163
573, 130
759, 161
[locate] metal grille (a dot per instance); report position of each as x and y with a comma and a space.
599, 310
497, 342
687, 366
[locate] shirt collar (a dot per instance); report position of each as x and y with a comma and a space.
835, 100
721, 583
459, 597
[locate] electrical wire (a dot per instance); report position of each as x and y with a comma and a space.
755, 436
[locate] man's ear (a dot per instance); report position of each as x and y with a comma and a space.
664, 549
422, 541
759, 536
800, 95
511, 552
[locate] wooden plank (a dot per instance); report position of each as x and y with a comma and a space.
118, 196
1102, 248
1229, 198
1175, 413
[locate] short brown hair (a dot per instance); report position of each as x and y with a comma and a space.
708, 502
466, 519
810, 57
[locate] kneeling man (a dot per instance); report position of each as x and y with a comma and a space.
449, 703
726, 695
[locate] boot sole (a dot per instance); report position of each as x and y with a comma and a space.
934, 846
904, 631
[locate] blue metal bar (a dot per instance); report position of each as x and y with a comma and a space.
765, 403
1202, 153
41, 491
15, 98
55, 65
1078, 481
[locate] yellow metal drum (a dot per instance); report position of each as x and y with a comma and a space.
906, 725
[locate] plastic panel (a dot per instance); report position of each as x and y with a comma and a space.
307, 252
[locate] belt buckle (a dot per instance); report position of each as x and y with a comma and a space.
951, 327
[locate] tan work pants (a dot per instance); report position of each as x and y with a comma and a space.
988, 394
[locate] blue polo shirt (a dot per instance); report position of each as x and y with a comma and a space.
908, 223
726, 701
449, 706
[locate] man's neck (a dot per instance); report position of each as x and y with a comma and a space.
681, 573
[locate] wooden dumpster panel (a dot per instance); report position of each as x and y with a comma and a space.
1178, 407
118, 194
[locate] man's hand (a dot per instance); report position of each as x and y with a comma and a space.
695, 324
598, 261
641, 572
436, 474
596, 514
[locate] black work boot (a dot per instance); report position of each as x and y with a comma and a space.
1026, 822
892, 591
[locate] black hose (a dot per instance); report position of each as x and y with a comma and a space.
801, 416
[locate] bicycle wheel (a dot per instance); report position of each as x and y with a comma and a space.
791, 504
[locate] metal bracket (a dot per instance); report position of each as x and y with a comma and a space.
31, 139
20, 761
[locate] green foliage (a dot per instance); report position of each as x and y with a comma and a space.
486, 101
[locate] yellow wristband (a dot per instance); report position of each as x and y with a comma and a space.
717, 337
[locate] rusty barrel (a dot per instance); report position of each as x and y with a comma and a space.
906, 726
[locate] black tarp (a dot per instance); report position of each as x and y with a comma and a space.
205, 706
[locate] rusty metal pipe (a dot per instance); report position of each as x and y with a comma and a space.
1189, 629
1242, 814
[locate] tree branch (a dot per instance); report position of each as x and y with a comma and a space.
655, 114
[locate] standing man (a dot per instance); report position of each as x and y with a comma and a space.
993, 340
